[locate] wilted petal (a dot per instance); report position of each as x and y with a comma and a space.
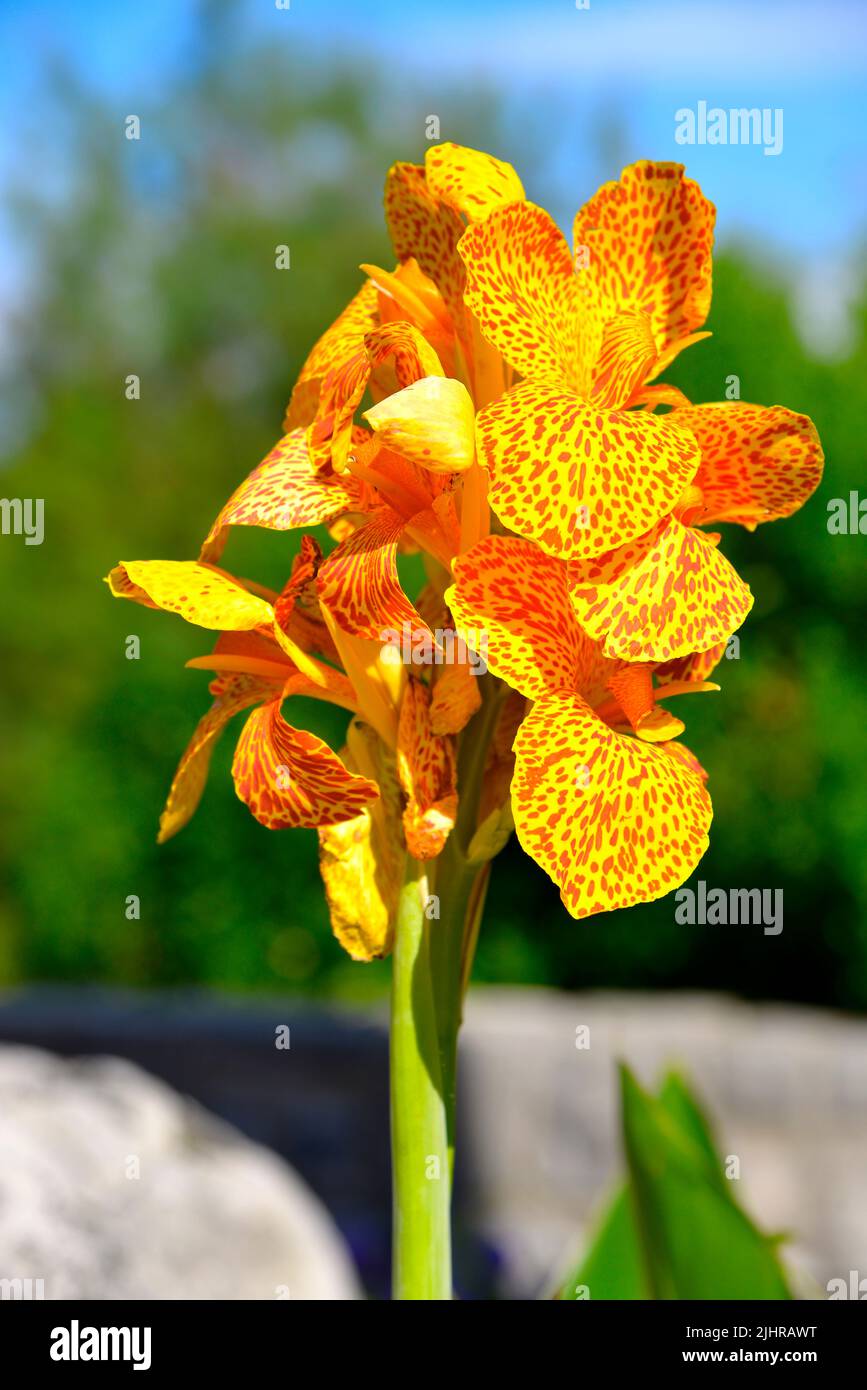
427, 770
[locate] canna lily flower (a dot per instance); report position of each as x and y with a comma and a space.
602, 800
573, 465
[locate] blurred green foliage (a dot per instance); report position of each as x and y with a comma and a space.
157, 258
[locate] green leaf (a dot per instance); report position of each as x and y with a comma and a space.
696, 1242
674, 1230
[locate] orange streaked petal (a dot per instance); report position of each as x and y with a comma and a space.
666, 595
516, 598
758, 463
649, 237
576, 478
426, 766
201, 594
456, 698
626, 356
431, 421
231, 695
422, 225
472, 182
289, 777
358, 582
330, 352
283, 492
612, 820
522, 288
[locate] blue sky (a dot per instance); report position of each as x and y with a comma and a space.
630, 63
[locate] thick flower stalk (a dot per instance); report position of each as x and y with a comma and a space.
493, 403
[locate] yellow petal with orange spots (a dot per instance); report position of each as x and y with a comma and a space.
431, 421
289, 777
423, 225
472, 182
626, 356
232, 693
426, 766
359, 585
455, 699
612, 820
522, 288
666, 595
648, 240
285, 491
758, 463
330, 352
361, 860
203, 595
578, 479
511, 601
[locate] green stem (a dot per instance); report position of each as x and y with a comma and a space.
420, 1159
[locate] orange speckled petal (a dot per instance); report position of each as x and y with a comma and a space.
404, 346
231, 695
612, 820
576, 478
695, 668
626, 356
514, 600
358, 582
649, 237
283, 492
427, 770
474, 183
758, 462
205, 596
664, 596
431, 421
456, 698
422, 225
337, 344
289, 777
522, 288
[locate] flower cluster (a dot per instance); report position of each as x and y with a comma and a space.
493, 403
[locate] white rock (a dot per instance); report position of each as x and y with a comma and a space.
112, 1186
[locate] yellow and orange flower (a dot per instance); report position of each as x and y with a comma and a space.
494, 381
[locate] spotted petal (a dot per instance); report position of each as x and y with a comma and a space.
232, 694
203, 595
522, 288
285, 491
289, 777
648, 240
612, 820
512, 601
359, 585
666, 595
427, 770
472, 182
576, 478
333, 349
758, 463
